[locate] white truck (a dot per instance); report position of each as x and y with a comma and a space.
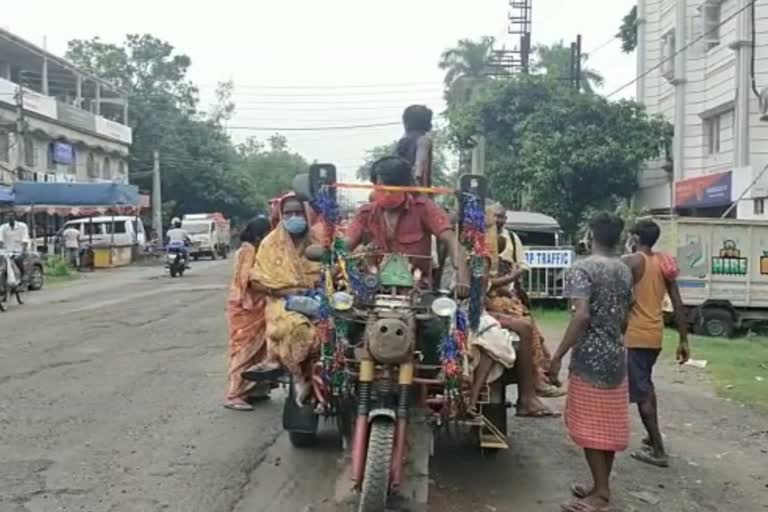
209, 233
723, 270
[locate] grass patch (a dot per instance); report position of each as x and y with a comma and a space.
735, 365
58, 271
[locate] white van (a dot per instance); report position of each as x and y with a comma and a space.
109, 231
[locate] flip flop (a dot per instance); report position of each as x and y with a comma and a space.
551, 392
649, 458
541, 413
238, 406
582, 506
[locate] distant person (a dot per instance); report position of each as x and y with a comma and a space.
654, 275
246, 319
416, 146
14, 238
71, 239
597, 407
178, 235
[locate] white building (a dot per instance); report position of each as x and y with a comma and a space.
72, 127
695, 61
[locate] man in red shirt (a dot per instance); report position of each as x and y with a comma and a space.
398, 222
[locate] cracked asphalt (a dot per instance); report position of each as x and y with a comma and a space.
110, 401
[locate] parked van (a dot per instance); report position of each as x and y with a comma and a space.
109, 231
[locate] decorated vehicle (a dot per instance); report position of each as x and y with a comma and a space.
394, 369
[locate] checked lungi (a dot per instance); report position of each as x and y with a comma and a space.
597, 418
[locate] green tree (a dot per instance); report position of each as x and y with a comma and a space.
566, 152
628, 31
554, 61
201, 169
466, 67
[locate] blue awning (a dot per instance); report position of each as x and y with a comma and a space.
6, 194
75, 194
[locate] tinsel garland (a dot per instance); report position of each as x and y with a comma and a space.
473, 236
453, 350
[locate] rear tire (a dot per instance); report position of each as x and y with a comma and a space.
716, 322
36, 279
375, 489
173, 271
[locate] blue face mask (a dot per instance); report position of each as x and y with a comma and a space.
295, 225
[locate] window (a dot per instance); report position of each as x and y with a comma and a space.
759, 205
121, 168
119, 227
712, 134
711, 18
90, 166
29, 152
5, 146
106, 169
668, 51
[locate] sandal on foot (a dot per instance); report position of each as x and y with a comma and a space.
238, 405
551, 392
649, 458
581, 505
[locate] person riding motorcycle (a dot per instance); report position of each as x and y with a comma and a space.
177, 234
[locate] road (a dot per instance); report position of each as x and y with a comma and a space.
110, 401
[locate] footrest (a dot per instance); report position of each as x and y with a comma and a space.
491, 437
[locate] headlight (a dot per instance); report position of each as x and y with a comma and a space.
391, 340
342, 301
444, 307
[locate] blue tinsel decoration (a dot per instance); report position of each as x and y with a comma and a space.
473, 214
325, 204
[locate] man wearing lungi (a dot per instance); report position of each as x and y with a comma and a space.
597, 407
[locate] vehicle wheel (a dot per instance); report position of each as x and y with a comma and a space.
716, 322
36, 279
375, 489
302, 439
214, 255
196, 257
181, 272
173, 271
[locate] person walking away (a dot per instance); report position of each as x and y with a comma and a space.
71, 239
245, 316
415, 146
654, 276
597, 406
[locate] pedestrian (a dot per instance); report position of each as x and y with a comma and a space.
416, 145
71, 239
245, 315
654, 276
597, 406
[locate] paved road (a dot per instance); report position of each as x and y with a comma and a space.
110, 401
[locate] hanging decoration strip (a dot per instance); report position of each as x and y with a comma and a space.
395, 188
473, 236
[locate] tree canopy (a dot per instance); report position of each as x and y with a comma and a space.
628, 31
554, 61
201, 169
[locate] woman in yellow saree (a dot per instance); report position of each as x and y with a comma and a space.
282, 270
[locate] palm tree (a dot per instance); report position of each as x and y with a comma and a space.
555, 61
465, 66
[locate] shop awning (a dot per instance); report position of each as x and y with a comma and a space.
6, 194
76, 198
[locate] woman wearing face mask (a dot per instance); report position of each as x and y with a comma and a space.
245, 315
281, 270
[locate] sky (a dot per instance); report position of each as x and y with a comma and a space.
310, 63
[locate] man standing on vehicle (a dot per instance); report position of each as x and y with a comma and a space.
416, 146
654, 276
177, 234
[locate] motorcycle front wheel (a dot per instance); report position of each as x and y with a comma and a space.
375, 489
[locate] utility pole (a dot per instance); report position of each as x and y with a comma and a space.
20, 128
578, 63
157, 201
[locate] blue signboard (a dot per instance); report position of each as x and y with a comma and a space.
62, 153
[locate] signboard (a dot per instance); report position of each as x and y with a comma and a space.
113, 130
549, 258
704, 191
76, 117
62, 153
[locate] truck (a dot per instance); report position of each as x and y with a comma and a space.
723, 276
209, 233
